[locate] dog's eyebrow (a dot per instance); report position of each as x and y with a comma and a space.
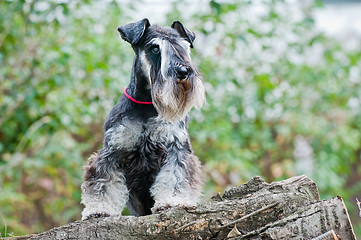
157, 41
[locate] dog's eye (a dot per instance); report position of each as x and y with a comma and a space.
155, 49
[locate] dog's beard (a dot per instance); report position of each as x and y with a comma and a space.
173, 100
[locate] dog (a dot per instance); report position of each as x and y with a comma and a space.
146, 162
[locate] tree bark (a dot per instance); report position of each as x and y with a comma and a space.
289, 209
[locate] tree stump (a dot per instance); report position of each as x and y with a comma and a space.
289, 209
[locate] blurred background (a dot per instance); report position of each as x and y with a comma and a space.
283, 96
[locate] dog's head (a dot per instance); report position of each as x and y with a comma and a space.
163, 55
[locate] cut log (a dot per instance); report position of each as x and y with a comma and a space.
289, 209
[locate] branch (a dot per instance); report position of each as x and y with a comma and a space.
290, 209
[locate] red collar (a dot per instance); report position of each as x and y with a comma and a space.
133, 100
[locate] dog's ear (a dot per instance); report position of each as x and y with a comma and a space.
184, 32
133, 32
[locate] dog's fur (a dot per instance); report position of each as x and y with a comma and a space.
147, 161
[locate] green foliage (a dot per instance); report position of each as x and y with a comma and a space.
271, 78
60, 76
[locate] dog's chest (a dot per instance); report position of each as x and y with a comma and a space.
145, 139
143, 149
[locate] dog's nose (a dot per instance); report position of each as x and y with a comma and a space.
182, 73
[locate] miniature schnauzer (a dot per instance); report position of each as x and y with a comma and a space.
147, 162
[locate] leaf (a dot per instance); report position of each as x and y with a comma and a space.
234, 232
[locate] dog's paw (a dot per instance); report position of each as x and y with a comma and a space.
161, 208
97, 215
189, 208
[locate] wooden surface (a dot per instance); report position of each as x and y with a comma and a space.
289, 209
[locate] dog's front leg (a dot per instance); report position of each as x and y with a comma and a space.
179, 181
104, 192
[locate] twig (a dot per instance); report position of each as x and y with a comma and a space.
248, 215
185, 226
